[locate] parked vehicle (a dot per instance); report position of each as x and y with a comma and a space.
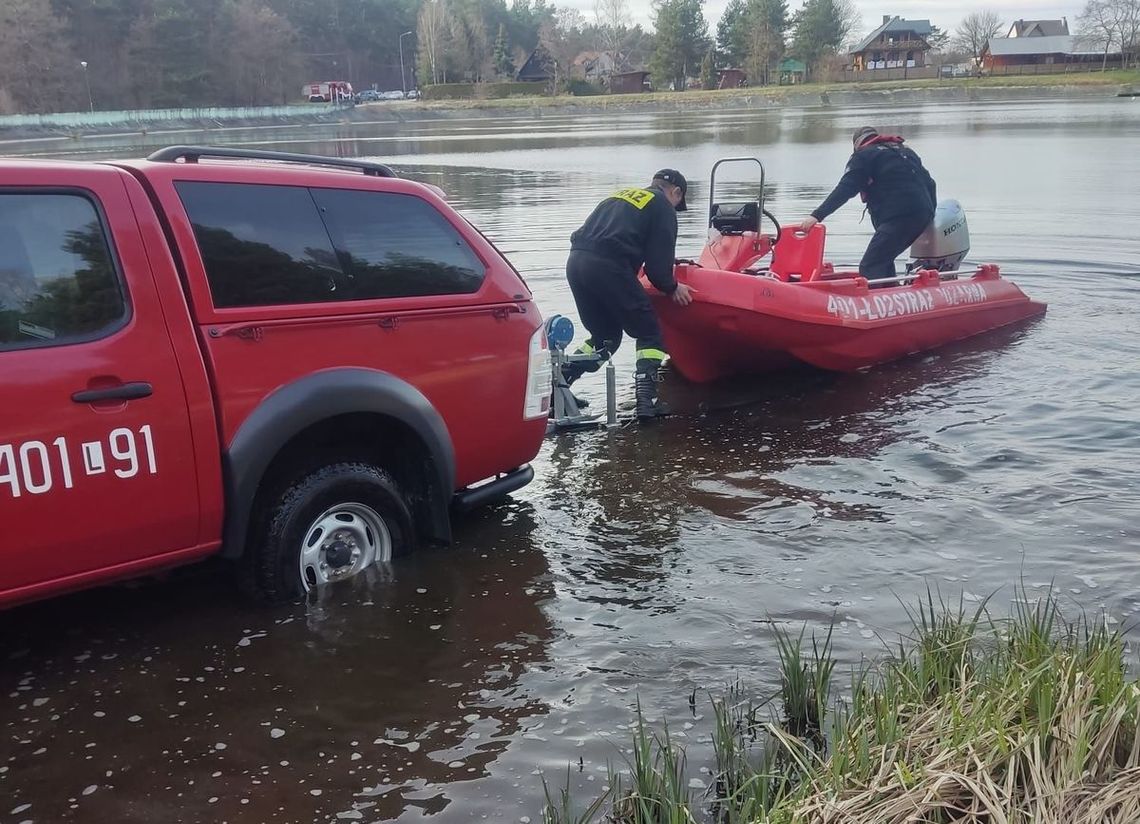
302, 364
327, 91
369, 96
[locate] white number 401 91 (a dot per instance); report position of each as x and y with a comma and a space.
33, 466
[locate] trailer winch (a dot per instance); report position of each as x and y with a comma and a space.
566, 410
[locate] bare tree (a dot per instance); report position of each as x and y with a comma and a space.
1108, 24
765, 45
850, 20
433, 31
1098, 27
460, 51
258, 51
612, 14
612, 19
560, 38
470, 30
38, 68
976, 30
1128, 24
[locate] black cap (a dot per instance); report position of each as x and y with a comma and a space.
678, 180
863, 134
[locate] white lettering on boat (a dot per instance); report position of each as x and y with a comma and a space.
896, 305
841, 306
958, 294
877, 307
904, 302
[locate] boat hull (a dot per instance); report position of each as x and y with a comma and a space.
745, 324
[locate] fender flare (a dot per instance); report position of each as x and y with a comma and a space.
291, 409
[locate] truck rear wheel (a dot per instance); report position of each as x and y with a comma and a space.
328, 527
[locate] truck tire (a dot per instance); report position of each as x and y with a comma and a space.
327, 527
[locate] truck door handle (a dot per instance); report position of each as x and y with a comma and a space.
122, 392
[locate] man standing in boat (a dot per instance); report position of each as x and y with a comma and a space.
628, 229
899, 192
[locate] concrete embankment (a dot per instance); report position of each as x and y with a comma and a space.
76, 125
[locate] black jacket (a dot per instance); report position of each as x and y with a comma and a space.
894, 180
634, 227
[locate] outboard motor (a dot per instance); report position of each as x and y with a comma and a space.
945, 242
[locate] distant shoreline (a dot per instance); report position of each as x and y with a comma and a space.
74, 127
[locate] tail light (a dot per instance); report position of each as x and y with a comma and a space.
539, 377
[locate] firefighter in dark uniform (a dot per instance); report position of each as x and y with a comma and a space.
630, 228
899, 192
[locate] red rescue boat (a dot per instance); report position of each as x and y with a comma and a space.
766, 302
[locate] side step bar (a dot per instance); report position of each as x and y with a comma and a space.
503, 485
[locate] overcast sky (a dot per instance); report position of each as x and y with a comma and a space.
944, 13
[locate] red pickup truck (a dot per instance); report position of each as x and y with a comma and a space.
301, 363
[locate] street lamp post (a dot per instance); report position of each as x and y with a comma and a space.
87, 82
403, 80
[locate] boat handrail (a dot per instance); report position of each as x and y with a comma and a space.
712, 184
948, 275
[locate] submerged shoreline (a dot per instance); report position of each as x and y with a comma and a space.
79, 125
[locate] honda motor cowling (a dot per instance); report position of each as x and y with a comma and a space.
945, 242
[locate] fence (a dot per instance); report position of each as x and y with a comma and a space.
142, 117
870, 75
849, 74
1051, 68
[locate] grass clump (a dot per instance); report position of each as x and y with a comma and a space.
1031, 719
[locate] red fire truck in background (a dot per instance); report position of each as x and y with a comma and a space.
327, 91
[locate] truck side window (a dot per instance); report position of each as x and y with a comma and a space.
58, 282
263, 245
396, 245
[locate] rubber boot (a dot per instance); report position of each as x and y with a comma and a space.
572, 371
576, 369
645, 381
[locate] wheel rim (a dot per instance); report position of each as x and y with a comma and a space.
342, 541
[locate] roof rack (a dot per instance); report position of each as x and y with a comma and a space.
191, 154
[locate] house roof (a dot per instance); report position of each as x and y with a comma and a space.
920, 27
1052, 44
1038, 28
536, 67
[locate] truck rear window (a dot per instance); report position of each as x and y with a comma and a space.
273, 245
58, 282
398, 245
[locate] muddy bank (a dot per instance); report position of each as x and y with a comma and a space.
75, 126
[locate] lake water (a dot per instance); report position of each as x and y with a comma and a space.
640, 565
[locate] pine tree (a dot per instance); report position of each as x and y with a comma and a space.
682, 40
767, 27
732, 33
752, 34
821, 26
504, 66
